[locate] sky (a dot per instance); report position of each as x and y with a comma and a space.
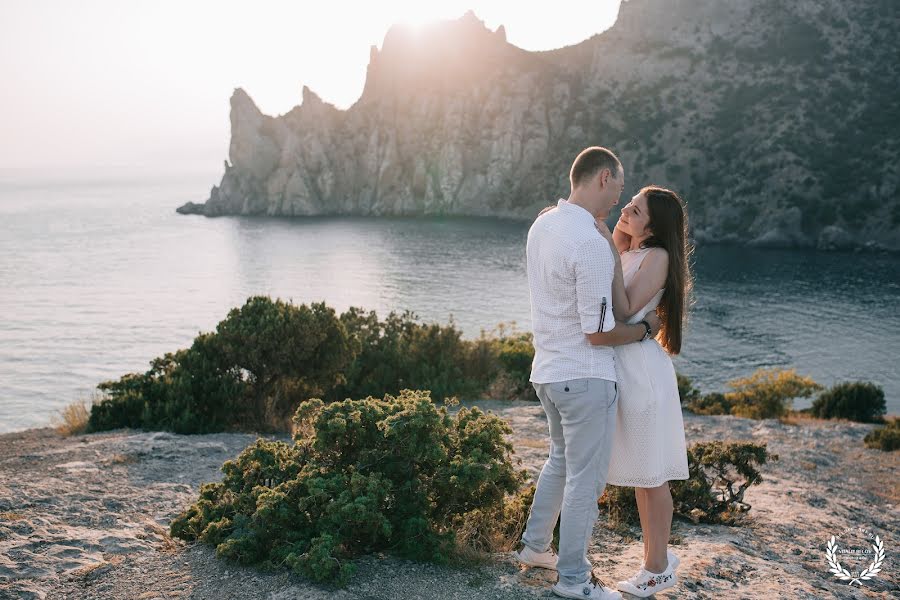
146, 84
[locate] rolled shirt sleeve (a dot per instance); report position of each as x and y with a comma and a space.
594, 268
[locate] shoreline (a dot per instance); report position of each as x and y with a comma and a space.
87, 516
704, 239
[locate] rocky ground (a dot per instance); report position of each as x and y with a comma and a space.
87, 516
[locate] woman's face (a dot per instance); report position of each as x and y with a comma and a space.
635, 217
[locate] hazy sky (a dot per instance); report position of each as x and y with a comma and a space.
146, 83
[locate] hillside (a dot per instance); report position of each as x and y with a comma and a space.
778, 122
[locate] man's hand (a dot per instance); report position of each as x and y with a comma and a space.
653, 320
551, 207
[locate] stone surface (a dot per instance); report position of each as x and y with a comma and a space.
71, 533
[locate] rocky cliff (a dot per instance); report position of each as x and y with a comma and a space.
778, 122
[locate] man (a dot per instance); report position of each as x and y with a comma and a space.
570, 273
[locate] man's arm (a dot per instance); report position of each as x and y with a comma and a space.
594, 266
624, 333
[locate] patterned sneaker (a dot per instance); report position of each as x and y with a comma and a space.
543, 560
593, 589
644, 583
674, 561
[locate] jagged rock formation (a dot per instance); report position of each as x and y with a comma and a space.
778, 122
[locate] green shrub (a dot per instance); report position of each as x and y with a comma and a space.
620, 505
885, 438
393, 475
508, 355
766, 394
687, 393
719, 475
264, 358
400, 353
710, 404
857, 401
268, 356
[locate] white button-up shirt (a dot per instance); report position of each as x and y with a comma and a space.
570, 273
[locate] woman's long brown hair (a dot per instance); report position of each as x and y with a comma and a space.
669, 230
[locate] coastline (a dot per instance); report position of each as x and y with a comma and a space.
836, 242
87, 516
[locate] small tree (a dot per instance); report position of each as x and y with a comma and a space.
719, 475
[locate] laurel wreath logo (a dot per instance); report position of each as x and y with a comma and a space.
843, 574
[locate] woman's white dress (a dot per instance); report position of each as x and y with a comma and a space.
648, 446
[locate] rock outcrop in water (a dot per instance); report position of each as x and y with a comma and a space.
778, 122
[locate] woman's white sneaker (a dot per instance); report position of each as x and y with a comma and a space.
543, 560
644, 583
674, 561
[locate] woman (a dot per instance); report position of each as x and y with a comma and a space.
652, 271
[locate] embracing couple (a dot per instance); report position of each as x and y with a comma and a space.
607, 310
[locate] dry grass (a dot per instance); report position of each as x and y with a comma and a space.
73, 419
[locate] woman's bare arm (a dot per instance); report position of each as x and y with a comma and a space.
649, 279
621, 305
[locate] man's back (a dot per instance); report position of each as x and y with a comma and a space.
570, 271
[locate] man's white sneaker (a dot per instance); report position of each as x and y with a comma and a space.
592, 589
644, 583
543, 560
674, 561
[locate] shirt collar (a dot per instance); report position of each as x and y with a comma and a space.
576, 210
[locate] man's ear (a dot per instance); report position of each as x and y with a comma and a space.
604, 177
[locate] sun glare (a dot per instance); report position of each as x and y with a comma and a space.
416, 15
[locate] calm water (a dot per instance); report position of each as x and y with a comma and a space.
98, 278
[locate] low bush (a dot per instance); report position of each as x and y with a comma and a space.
719, 475
395, 475
766, 394
885, 438
73, 419
268, 356
263, 359
400, 353
854, 400
687, 393
709, 404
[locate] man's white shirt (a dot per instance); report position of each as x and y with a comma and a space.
570, 272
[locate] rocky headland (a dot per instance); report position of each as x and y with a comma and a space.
776, 121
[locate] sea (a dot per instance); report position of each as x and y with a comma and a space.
99, 275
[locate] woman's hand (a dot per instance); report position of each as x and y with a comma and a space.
549, 208
654, 322
621, 239
603, 228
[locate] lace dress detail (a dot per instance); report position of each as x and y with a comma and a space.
648, 445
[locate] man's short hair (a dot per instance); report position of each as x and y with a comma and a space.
590, 162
